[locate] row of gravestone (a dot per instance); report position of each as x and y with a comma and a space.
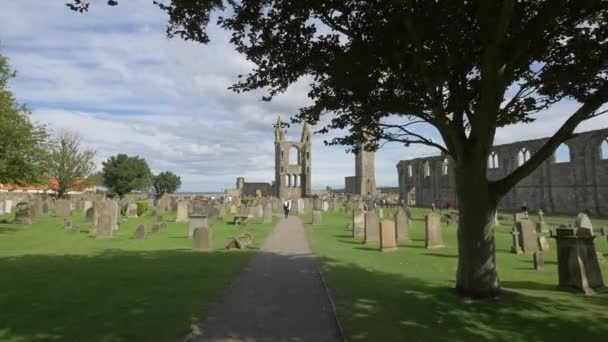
388, 233
577, 257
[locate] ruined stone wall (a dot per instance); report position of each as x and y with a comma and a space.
557, 186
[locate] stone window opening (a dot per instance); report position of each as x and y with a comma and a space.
604, 149
294, 156
493, 161
410, 171
444, 167
427, 169
562, 154
523, 156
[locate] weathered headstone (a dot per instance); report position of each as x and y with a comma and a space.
155, 228
201, 239
578, 267
543, 243
63, 208
132, 210
388, 236
402, 227
104, 227
316, 217
195, 221
67, 223
300, 206
372, 227
539, 260
433, 234
260, 211
515, 247
86, 205
163, 226
528, 239
22, 213
325, 206
182, 212
583, 221
358, 223
267, 214
140, 232
519, 216
75, 229
541, 226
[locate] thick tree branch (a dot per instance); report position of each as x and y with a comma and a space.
587, 110
404, 132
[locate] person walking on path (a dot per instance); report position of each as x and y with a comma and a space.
287, 207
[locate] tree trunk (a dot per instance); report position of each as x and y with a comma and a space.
476, 276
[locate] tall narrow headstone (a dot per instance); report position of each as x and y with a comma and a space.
201, 239
388, 240
539, 260
402, 227
104, 227
267, 214
300, 206
358, 223
182, 211
515, 247
316, 217
528, 239
433, 234
372, 227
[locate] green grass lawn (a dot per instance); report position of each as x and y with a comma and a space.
407, 295
61, 286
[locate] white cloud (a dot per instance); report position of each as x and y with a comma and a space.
112, 76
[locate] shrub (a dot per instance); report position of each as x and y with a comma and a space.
142, 207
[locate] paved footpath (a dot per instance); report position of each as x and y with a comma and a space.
278, 297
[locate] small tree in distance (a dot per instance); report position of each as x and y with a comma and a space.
165, 183
123, 174
69, 162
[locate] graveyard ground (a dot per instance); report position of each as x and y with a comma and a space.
63, 286
407, 294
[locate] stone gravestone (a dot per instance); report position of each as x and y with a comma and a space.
234, 209
36, 208
86, 205
140, 232
577, 263
196, 221
182, 212
541, 226
539, 260
267, 214
104, 226
260, 211
300, 206
388, 236
433, 234
155, 228
380, 213
90, 213
519, 216
163, 226
316, 217
543, 243
402, 228
67, 223
583, 221
528, 239
22, 213
76, 229
372, 227
325, 206
63, 208
358, 223
114, 211
515, 247
201, 240
132, 210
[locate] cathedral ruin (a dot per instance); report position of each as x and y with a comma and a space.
292, 163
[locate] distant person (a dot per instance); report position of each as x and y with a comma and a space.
287, 207
433, 206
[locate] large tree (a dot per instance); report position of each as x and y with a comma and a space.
123, 174
382, 69
23, 144
70, 162
165, 183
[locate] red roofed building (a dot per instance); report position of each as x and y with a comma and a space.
79, 187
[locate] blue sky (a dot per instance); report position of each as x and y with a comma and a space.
114, 78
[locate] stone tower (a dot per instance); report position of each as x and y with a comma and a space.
292, 164
365, 173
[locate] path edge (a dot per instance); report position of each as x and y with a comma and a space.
324, 282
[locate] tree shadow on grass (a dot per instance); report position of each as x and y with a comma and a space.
379, 306
441, 255
112, 296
